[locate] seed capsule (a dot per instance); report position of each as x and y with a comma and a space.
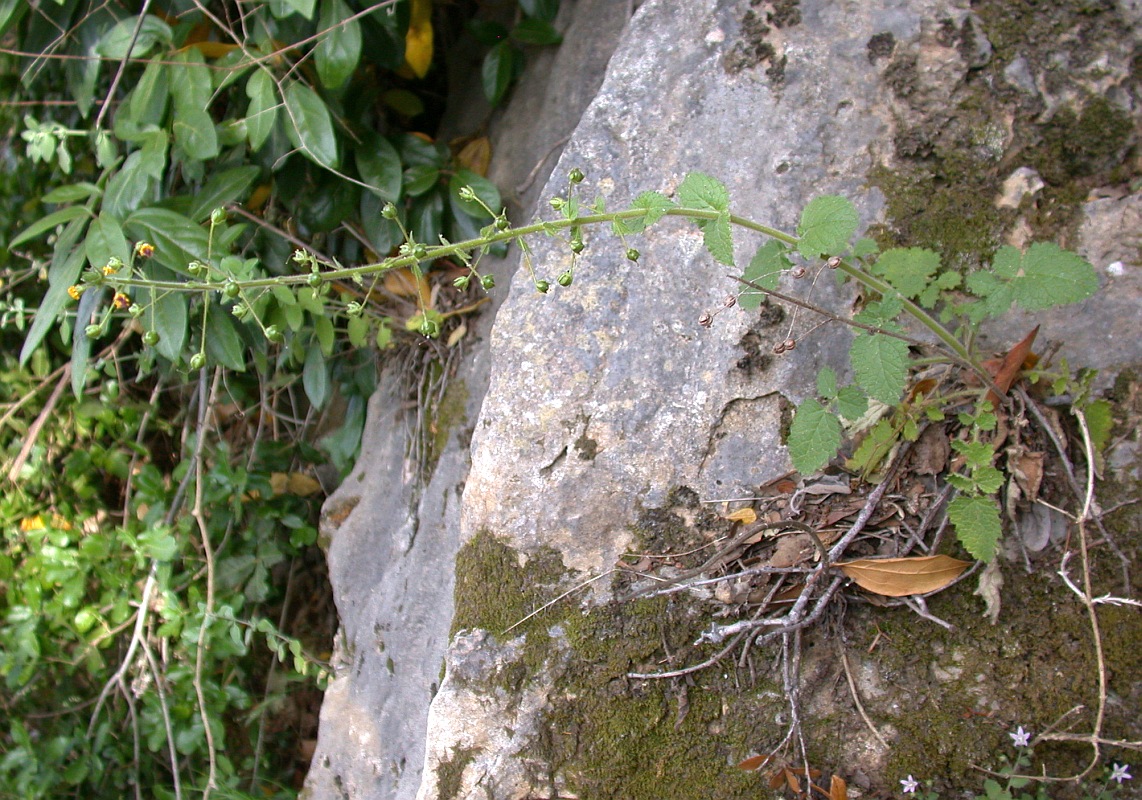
833, 262
797, 272
779, 348
789, 344
706, 320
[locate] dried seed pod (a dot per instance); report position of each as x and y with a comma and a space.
779, 348
797, 272
789, 344
730, 301
833, 262
706, 320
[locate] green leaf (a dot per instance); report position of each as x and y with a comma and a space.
67, 263
315, 375
168, 316
656, 205
194, 133
419, 179
339, 50
224, 188
1052, 276
147, 102
764, 269
378, 164
540, 9
178, 240
909, 270
116, 43
851, 402
72, 193
262, 112
49, 223
105, 240
496, 72
814, 437
223, 342
535, 32
358, 330
977, 524
326, 335
881, 365
827, 383
874, 448
1100, 422
128, 187
192, 86
284, 8
701, 191
310, 127
158, 543
484, 189
717, 237
827, 224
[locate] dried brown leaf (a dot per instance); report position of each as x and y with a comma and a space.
753, 762
838, 789
746, 516
899, 577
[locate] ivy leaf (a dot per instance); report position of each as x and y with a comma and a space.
977, 524
656, 205
339, 50
881, 365
1052, 276
814, 437
717, 237
764, 269
826, 226
379, 165
262, 113
701, 191
310, 127
909, 270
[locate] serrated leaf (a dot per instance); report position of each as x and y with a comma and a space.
380, 167
851, 402
900, 577
764, 269
310, 127
702, 191
337, 53
827, 224
909, 269
814, 437
262, 113
1052, 276
717, 237
977, 524
827, 383
880, 363
656, 206
358, 330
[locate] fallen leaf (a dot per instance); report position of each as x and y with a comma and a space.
753, 762
1004, 371
930, 453
899, 577
403, 282
476, 156
746, 516
838, 789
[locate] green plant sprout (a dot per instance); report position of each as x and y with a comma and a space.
903, 290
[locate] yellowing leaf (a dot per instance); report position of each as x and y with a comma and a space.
476, 155
296, 483
746, 516
418, 39
35, 523
899, 577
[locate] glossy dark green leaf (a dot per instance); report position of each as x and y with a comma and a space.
224, 344
535, 32
178, 240
72, 193
284, 8
11, 12
191, 85
315, 375
105, 240
48, 223
540, 9
194, 133
169, 319
419, 179
339, 49
487, 32
147, 103
379, 166
89, 304
426, 218
128, 187
133, 37
309, 127
222, 189
496, 73
262, 112
484, 189
64, 272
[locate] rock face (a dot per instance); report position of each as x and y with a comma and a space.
613, 420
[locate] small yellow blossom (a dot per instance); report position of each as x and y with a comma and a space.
121, 301
110, 269
144, 249
74, 292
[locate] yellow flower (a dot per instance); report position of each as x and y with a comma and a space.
144, 249
121, 301
74, 292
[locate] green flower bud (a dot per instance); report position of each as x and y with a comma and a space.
542, 286
231, 288
577, 246
488, 281
467, 194
633, 254
389, 211
135, 310
354, 309
419, 250
151, 338
240, 310
462, 282
198, 361
274, 334
429, 328
502, 223
217, 216
557, 203
577, 175
109, 391
566, 278
314, 280
196, 268
91, 331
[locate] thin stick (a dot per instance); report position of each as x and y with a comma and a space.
548, 605
856, 695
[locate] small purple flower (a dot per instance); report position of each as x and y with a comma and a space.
1118, 773
1021, 738
910, 784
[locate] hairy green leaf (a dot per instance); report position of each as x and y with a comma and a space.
814, 437
874, 448
656, 205
851, 402
310, 128
1052, 276
764, 269
881, 365
827, 224
827, 383
702, 191
909, 270
339, 50
977, 524
717, 237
